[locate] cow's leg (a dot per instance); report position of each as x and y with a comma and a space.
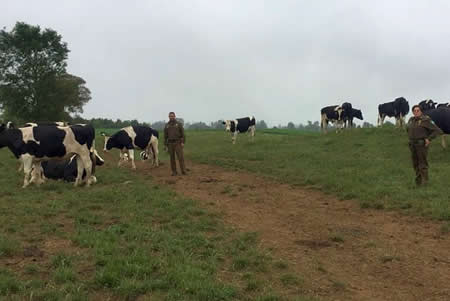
322, 123
131, 155
27, 168
80, 170
121, 158
233, 138
443, 143
155, 151
20, 166
37, 174
252, 132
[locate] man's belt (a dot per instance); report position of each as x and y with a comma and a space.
417, 141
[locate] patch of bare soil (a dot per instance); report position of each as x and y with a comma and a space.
342, 251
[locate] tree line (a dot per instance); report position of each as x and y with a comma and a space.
35, 85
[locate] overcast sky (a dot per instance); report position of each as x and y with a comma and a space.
277, 60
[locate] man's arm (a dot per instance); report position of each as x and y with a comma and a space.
183, 136
166, 136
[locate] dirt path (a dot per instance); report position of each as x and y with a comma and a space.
343, 252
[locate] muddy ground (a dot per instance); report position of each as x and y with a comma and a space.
342, 252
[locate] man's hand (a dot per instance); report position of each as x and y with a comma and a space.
427, 142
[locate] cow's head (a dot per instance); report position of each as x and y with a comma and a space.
427, 104
105, 145
357, 114
227, 124
10, 125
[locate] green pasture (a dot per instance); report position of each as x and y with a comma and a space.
126, 238
370, 165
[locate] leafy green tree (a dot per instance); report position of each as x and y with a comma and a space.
34, 84
291, 125
261, 125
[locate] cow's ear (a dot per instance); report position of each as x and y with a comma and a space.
223, 122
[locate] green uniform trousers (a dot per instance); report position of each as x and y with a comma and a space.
419, 154
176, 148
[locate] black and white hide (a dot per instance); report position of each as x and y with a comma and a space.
129, 138
35, 144
241, 125
398, 108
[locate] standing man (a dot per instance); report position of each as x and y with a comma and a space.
174, 140
421, 130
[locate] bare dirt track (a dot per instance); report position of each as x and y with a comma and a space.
342, 252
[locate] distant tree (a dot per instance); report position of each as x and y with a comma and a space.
198, 126
261, 125
34, 84
291, 125
367, 125
158, 125
217, 124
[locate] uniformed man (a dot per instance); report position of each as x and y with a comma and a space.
421, 130
174, 140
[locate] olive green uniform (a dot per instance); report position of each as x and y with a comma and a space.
173, 138
419, 129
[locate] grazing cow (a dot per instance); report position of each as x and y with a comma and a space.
348, 120
67, 170
398, 108
35, 144
240, 125
440, 116
444, 105
131, 137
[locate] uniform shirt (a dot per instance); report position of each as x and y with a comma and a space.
174, 133
422, 128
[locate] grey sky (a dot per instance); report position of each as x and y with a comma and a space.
277, 60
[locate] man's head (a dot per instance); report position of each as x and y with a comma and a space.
172, 116
417, 112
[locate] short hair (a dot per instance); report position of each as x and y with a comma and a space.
172, 113
416, 106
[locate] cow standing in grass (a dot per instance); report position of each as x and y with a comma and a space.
131, 137
336, 115
398, 108
35, 144
241, 125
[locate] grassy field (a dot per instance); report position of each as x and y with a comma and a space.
370, 165
125, 238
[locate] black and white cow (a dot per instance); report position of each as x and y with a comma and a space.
35, 144
348, 120
444, 105
52, 123
67, 170
240, 125
131, 137
398, 108
440, 116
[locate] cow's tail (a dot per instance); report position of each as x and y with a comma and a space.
93, 156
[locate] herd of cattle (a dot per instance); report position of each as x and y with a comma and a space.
62, 151
342, 115
59, 150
